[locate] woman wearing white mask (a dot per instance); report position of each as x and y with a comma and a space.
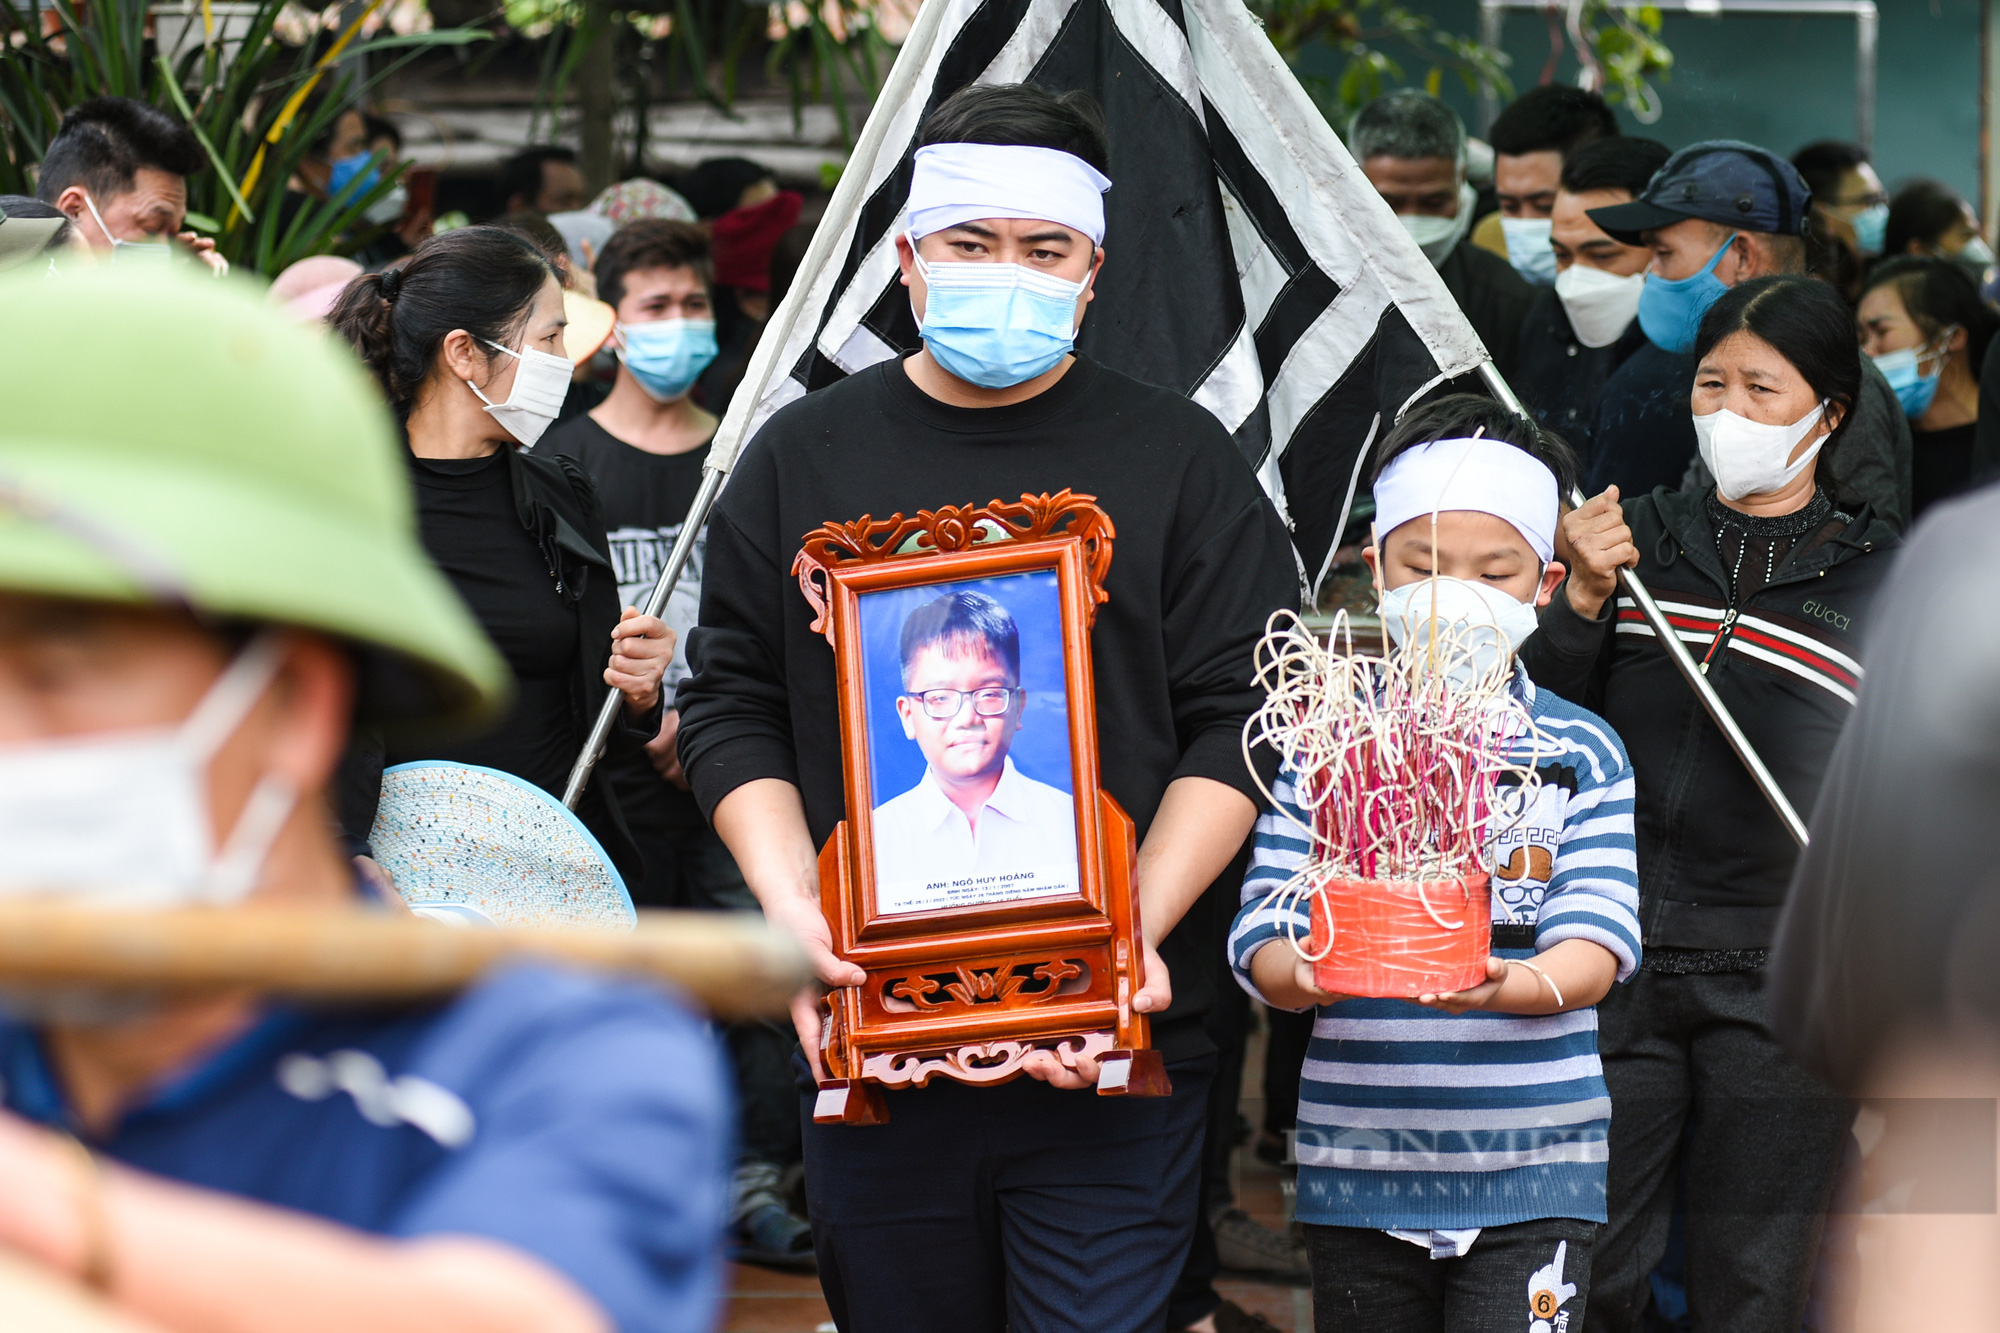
1923, 323
1583, 328
1768, 578
466, 341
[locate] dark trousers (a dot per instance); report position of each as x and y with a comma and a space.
1508, 1282
1695, 1076
1018, 1207
1227, 1022
1284, 1063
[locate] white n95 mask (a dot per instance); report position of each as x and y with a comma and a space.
1600, 305
1483, 626
541, 382
122, 819
1748, 457
1438, 237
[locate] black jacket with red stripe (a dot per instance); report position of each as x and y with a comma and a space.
1714, 860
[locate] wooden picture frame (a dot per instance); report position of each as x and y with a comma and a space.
968, 973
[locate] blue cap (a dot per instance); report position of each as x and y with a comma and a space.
1733, 184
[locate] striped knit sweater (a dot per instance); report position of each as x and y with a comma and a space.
1410, 1118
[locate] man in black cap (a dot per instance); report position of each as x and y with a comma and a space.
1720, 213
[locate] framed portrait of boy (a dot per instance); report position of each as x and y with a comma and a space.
981, 877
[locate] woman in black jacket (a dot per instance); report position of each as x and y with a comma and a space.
1767, 579
466, 341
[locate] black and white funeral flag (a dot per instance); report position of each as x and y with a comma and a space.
1248, 262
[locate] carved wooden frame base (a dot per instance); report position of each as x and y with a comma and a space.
987, 1062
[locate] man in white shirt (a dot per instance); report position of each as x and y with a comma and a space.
975, 829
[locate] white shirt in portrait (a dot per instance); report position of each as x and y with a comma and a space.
928, 855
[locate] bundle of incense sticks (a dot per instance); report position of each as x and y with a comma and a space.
1402, 764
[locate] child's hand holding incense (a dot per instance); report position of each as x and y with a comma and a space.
1571, 975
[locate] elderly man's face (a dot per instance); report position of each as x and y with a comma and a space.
1682, 249
1415, 186
966, 744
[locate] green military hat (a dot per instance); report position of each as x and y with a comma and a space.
167, 438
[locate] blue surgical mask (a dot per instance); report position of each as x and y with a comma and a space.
997, 325
1871, 228
1904, 371
346, 169
666, 356
1670, 311
1528, 248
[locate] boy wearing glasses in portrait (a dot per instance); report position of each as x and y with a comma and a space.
975, 828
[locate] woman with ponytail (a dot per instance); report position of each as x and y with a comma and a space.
465, 338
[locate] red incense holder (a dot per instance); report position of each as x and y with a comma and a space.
1387, 943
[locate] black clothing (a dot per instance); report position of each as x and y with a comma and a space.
583, 395
1868, 465
1940, 463
1752, 546
1201, 560
1642, 433
1015, 1208
1702, 962
1558, 379
465, 513
554, 511
1714, 860
1891, 930
1194, 1297
1697, 1082
1367, 1281
645, 497
1493, 296
1986, 430
1706, 1103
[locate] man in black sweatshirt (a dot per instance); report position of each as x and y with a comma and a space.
1035, 1204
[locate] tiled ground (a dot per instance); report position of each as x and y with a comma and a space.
767, 1302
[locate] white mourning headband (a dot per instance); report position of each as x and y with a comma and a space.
1486, 476
960, 182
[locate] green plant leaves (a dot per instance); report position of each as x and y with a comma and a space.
232, 106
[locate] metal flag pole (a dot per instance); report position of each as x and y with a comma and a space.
1677, 652
841, 211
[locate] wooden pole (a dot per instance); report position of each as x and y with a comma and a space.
732, 965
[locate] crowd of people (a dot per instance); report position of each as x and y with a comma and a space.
1760, 372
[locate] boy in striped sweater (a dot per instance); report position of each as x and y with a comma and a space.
1452, 1151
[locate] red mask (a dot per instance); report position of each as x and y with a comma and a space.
743, 239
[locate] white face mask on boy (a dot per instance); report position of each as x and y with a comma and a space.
122, 819
1477, 619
